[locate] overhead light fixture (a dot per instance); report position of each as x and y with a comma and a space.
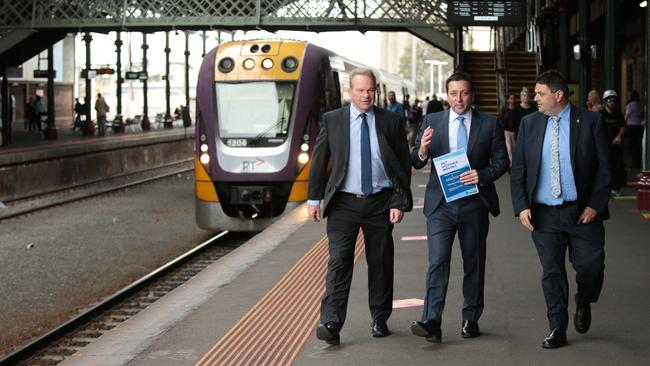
643, 4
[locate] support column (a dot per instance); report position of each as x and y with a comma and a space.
585, 54
459, 62
612, 49
118, 124
187, 69
146, 126
643, 191
564, 37
50, 132
168, 117
203, 54
6, 110
89, 129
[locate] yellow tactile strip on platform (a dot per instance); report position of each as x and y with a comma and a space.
274, 331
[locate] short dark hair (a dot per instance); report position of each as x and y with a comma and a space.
460, 76
555, 81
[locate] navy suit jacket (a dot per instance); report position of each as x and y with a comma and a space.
333, 148
486, 152
589, 160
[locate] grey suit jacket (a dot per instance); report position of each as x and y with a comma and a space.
486, 152
333, 147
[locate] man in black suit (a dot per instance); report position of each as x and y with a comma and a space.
368, 188
458, 127
560, 180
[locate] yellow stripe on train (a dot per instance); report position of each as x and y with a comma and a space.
203, 185
241, 51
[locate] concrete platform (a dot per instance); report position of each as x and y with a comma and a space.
259, 305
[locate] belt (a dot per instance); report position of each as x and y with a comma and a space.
563, 205
364, 196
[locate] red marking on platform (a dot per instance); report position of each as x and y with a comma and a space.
407, 303
414, 238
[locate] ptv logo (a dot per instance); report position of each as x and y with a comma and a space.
249, 165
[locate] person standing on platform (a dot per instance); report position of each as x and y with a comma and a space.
525, 107
509, 119
39, 112
634, 129
79, 111
482, 138
395, 107
560, 181
102, 109
434, 106
30, 114
615, 125
594, 103
368, 187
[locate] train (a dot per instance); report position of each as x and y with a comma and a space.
258, 108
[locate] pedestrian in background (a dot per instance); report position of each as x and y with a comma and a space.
509, 119
39, 113
102, 109
615, 125
560, 182
525, 107
634, 129
594, 103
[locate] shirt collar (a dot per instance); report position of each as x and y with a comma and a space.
453, 115
564, 113
354, 113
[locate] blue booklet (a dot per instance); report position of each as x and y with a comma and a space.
449, 168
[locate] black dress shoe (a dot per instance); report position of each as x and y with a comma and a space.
557, 338
328, 332
380, 328
469, 329
429, 329
582, 317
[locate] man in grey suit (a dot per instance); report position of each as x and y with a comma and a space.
482, 137
368, 188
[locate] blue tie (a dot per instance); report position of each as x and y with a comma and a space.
366, 165
461, 138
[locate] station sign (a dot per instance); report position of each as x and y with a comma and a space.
136, 75
43, 73
486, 13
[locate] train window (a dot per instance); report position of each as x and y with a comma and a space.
257, 112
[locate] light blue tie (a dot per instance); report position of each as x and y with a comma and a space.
366, 164
556, 189
461, 138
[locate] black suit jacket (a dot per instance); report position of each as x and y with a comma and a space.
333, 146
486, 152
589, 160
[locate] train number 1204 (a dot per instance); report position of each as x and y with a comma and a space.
236, 142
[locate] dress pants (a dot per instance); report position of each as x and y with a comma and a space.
346, 215
468, 217
556, 229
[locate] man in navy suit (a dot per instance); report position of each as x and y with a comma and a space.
560, 186
482, 137
368, 187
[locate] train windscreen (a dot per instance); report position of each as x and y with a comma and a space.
254, 113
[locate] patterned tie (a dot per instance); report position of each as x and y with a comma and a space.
556, 190
366, 165
461, 138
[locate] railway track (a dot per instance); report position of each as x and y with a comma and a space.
24, 205
66, 339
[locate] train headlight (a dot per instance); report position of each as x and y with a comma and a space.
205, 158
267, 63
226, 65
304, 147
303, 158
204, 147
289, 64
249, 63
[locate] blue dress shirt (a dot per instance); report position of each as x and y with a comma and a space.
542, 192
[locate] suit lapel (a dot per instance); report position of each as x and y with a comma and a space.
441, 128
345, 130
573, 134
538, 129
474, 131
